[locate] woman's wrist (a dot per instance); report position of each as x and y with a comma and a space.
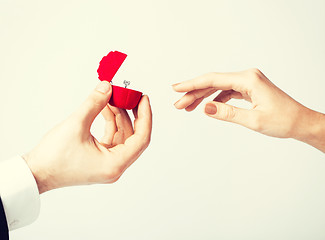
311, 128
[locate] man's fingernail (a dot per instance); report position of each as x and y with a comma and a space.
103, 87
174, 85
210, 109
147, 97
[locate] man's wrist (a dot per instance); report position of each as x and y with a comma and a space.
38, 175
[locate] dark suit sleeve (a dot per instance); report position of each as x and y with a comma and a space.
3, 224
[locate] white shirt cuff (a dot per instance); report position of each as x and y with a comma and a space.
18, 192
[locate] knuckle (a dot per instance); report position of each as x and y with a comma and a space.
191, 96
255, 71
255, 75
198, 95
227, 112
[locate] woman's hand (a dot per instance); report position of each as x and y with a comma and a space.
273, 112
69, 154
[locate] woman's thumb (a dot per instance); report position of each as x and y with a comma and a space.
229, 113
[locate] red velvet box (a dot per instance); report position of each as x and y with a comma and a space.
121, 97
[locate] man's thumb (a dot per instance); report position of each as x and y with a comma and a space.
95, 103
229, 113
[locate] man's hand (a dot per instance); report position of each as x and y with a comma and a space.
273, 112
69, 154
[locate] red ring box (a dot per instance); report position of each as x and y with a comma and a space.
121, 97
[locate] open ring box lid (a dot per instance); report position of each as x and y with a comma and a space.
121, 97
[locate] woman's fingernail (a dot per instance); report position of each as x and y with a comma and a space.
103, 87
210, 109
175, 104
174, 85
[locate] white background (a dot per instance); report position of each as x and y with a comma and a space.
200, 178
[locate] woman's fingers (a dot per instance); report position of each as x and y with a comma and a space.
198, 101
191, 97
225, 96
194, 105
233, 85
203, 86
225, 112
219, 81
